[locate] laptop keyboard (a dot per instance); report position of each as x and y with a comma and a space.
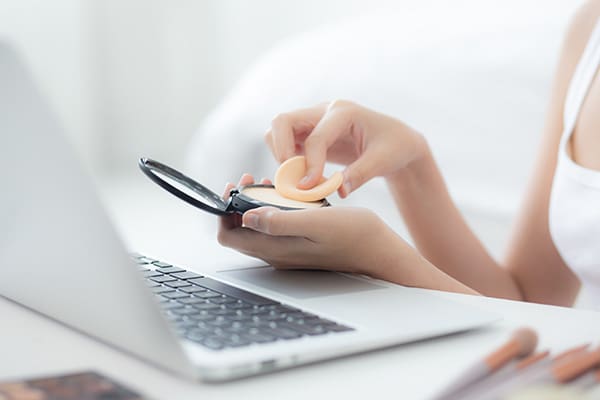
218, 316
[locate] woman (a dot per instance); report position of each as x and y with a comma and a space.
556, 242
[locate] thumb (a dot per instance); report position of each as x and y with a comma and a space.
275, 222
357, 174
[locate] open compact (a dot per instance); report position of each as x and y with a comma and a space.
240, 200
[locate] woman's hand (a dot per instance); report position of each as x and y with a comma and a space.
336, 238
370, 144
332, 238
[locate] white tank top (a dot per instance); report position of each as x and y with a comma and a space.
575, 198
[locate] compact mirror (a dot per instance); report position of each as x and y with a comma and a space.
241, 200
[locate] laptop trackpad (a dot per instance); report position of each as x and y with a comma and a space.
301, 284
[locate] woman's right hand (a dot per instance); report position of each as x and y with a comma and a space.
368, 143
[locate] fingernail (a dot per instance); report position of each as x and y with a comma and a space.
250, 220
304, 180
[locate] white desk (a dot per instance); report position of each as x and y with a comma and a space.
33, 345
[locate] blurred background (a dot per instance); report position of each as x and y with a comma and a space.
138, 76
196, 83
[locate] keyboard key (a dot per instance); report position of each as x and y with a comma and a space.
220, 322
207, 294
144, 260
223, 311
240, 318
177, 284
197, 334
239, 305
162, 264
186, 275
236, 340
283, 333
231, 291
203, 316
258, 311
186, 324
184, 311
222, 300
191, 300
307, 329
162, 289
213, 343
150, 274
205, 306
169, 270
193, 289
163, 279
174, 295
259, 337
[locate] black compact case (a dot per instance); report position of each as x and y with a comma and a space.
205, 199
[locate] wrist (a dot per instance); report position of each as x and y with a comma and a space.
414, 148
402, 264
418, 170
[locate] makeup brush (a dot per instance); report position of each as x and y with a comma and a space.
576, 366
521, 344
531, 370
491, 386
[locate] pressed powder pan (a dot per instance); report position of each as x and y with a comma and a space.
241, 199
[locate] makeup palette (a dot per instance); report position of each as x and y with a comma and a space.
240, 200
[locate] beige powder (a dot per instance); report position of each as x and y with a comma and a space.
270, 195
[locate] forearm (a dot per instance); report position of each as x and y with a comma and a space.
396, 261
441, 233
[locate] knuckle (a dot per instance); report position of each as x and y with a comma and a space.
340, 104
312, 140
358, 178
281, 119
275, 225
268, 136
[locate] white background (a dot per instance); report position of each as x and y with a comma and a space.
137, 76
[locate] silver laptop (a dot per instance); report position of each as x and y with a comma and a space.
60, 256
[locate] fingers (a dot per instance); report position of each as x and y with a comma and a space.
358, 173
246, 179
229, 222
336, 122
275, 222
287, 128
228, 187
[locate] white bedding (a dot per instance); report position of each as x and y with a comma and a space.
473, 76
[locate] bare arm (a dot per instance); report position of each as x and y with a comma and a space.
451, 257
532, 269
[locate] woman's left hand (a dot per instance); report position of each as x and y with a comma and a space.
335, 238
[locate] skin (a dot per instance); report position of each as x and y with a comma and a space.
448, 255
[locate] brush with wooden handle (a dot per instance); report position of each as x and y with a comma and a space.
519, 374
521, 344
